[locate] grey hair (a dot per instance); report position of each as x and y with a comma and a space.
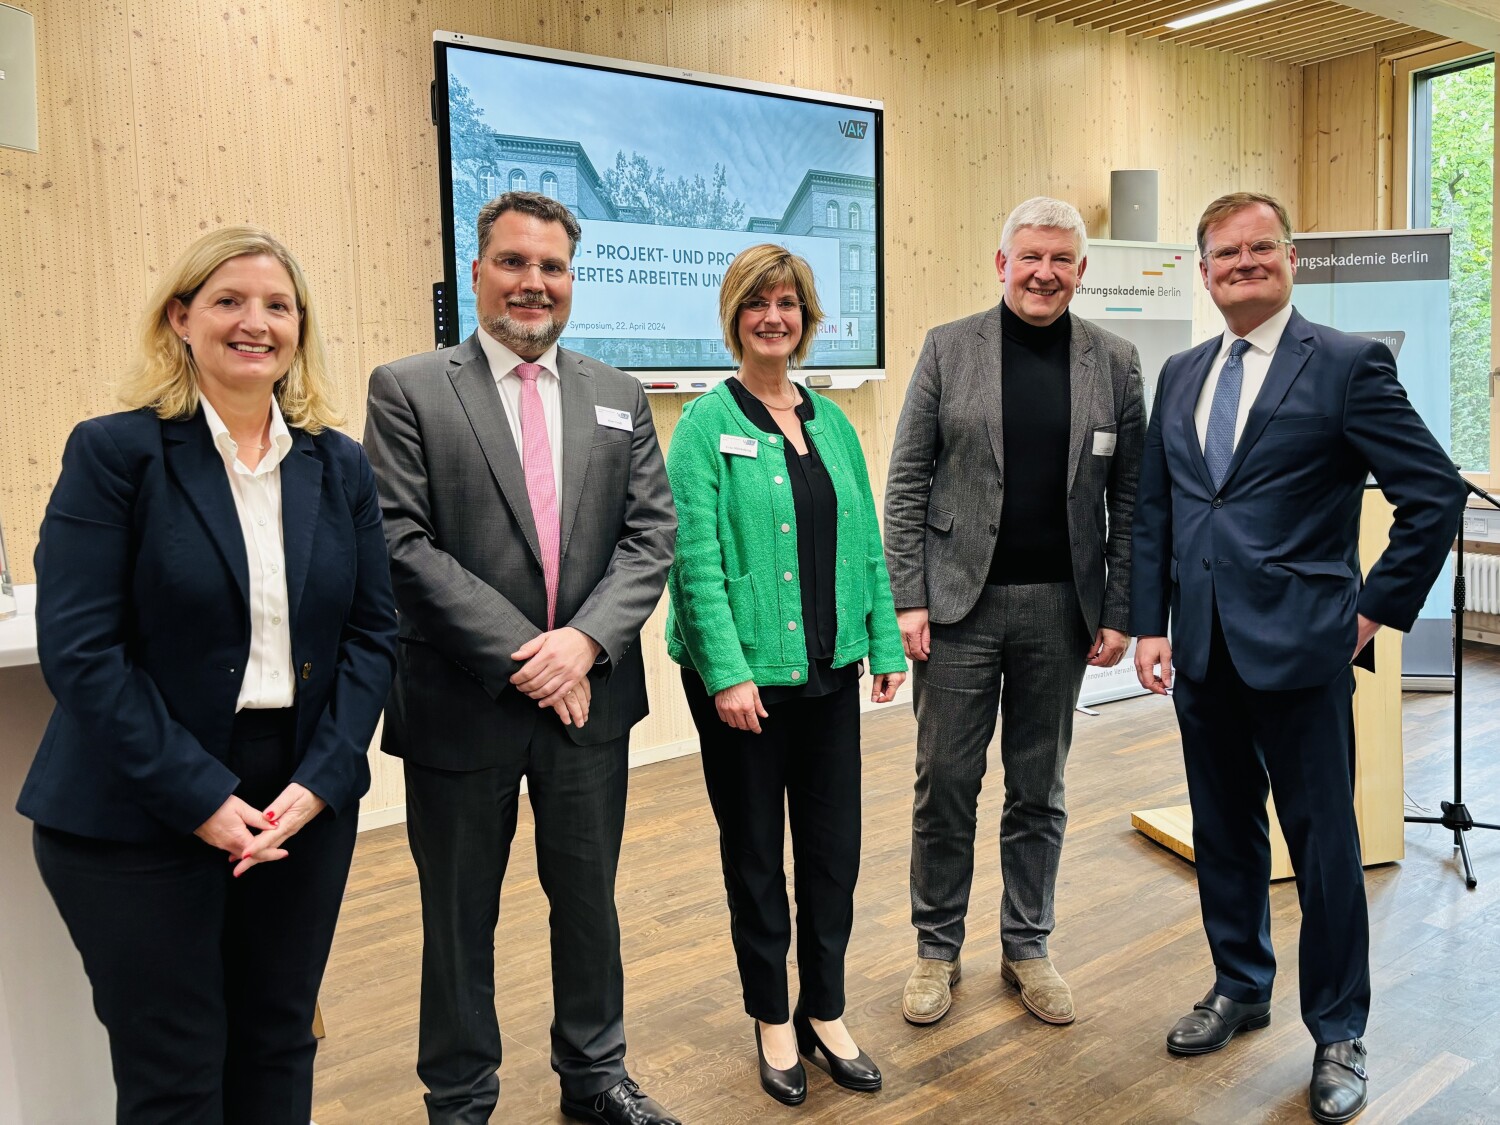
1044, 211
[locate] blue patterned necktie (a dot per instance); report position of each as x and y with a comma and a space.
1218, 442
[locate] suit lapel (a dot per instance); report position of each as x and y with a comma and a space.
198, 467
1198, 366
301, 497
480, 399
985, 362
579, 396
1291, 354
1081, 378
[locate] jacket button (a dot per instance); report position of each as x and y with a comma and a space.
796, 675
994, 528
1205, 564
777, 479
787, 576
792, 625
1218, 502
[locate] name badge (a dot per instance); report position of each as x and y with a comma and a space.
1104, 443
614, 419
739, 446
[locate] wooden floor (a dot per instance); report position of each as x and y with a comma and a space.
1128, 940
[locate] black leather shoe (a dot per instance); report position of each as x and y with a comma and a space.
624, 1103
1213, 1022
858, 1073
789, 1086
1340, 1083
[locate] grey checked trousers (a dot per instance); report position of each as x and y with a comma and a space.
1021, 650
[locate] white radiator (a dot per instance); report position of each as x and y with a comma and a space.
1482, 583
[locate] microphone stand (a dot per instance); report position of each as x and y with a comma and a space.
1455, 813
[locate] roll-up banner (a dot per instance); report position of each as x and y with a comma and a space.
1392, 286
1142, 291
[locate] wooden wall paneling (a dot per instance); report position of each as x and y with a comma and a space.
240, 116
70, 257
321, 109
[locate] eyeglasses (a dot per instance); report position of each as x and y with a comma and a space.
786, 306
1262, 250
514, 264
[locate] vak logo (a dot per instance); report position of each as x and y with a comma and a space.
854, 130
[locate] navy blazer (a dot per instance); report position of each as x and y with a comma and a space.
1276, 546
143, 625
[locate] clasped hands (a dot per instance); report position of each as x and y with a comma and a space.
252, 835
555, 672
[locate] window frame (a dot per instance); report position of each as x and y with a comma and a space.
1410, 150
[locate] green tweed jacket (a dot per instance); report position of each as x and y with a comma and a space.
736, 603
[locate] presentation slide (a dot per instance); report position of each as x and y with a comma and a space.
670, 179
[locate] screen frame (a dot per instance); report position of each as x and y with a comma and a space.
668, 380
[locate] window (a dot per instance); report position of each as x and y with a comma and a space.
854, 257
854, 299
833, 214
854, 216
517, 180
1451, 184
487, 185
872, 301
549, 185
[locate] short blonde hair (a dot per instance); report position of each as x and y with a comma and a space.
164, 377
760, 268
1235, 202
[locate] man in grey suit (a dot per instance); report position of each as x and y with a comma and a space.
1007, 512
530, 527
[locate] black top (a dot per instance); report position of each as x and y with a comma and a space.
1036, 404
816, 510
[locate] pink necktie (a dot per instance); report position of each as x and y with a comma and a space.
541, 483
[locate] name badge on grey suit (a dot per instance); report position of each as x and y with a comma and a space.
614, 419
1104, 443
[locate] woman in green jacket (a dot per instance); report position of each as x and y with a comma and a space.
779, 591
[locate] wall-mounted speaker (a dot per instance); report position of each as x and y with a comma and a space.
17, 79
1132, 205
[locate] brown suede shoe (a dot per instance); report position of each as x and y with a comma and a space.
1045, 994
928, 996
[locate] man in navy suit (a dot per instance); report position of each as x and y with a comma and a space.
1246, 534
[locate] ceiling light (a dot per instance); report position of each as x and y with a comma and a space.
1215, 13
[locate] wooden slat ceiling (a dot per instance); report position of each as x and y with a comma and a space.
1292, 31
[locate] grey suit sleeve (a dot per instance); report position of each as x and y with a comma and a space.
909, 482
632, 583
460, 615
1124, 476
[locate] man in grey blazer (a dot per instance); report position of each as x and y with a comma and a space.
1007, 523
530, 527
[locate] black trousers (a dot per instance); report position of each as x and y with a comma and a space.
461, 824
1239, 743
205, 983
805, 765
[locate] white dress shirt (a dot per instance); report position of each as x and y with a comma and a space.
503, 364
268, 681
1257, 360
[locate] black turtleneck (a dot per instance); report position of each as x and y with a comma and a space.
1032, 545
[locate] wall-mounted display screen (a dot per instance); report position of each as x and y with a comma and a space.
670, 174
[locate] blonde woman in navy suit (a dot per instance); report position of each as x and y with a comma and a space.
215, 620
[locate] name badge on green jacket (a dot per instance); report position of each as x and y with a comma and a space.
739, 446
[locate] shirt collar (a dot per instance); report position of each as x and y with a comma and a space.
281, 438
1263, 337
503, 361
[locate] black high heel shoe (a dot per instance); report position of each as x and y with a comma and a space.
789, 1086
858, 1073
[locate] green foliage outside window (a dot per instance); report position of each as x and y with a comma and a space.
1462, 170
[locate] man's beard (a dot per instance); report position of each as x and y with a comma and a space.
524, 338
